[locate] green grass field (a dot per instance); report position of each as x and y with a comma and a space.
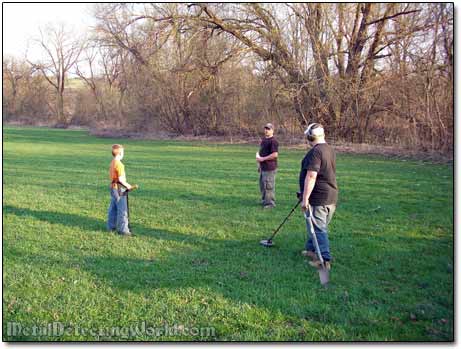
195, 261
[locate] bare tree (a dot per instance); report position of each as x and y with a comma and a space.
14, 72
371, 72
61, 51
25, 92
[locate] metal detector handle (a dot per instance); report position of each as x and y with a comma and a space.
126, 190
133, 187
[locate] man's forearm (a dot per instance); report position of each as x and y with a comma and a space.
270, 157
309, 184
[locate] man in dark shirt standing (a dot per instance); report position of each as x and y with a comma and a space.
267, 166
317, 182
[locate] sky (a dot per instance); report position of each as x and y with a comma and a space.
21, 23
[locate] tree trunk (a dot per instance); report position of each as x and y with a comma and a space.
60, 110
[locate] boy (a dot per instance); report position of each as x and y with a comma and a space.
117, 218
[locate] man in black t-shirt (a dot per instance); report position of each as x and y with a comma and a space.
317, 182
267, 166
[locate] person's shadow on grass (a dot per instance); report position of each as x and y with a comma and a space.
53, 217
95, 225
238, 271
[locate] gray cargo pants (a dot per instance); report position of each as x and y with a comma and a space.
267, 187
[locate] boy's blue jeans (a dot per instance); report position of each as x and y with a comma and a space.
321, 217
117, 216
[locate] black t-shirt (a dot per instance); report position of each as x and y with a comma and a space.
321, 159
267, 147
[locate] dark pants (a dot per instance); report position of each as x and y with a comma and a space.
267, 187
321, 217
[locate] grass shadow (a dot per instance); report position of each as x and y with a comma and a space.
92, 224
53, 217
245, 273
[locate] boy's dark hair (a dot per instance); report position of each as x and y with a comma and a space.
116, 149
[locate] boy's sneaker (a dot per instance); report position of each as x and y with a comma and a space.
318, 265
126, 234
310, 254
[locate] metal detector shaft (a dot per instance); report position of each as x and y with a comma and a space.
314, 236
128, 210
125, 193
286, 218
323, 271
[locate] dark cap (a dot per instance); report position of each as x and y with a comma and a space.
269, 126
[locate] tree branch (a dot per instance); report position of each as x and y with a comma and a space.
392, 16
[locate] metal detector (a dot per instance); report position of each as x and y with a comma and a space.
324, 273
268, 242
125, 193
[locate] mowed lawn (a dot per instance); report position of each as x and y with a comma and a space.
195, 261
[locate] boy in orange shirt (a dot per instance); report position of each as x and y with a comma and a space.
117, 218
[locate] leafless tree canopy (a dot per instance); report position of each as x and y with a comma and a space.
370, 72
